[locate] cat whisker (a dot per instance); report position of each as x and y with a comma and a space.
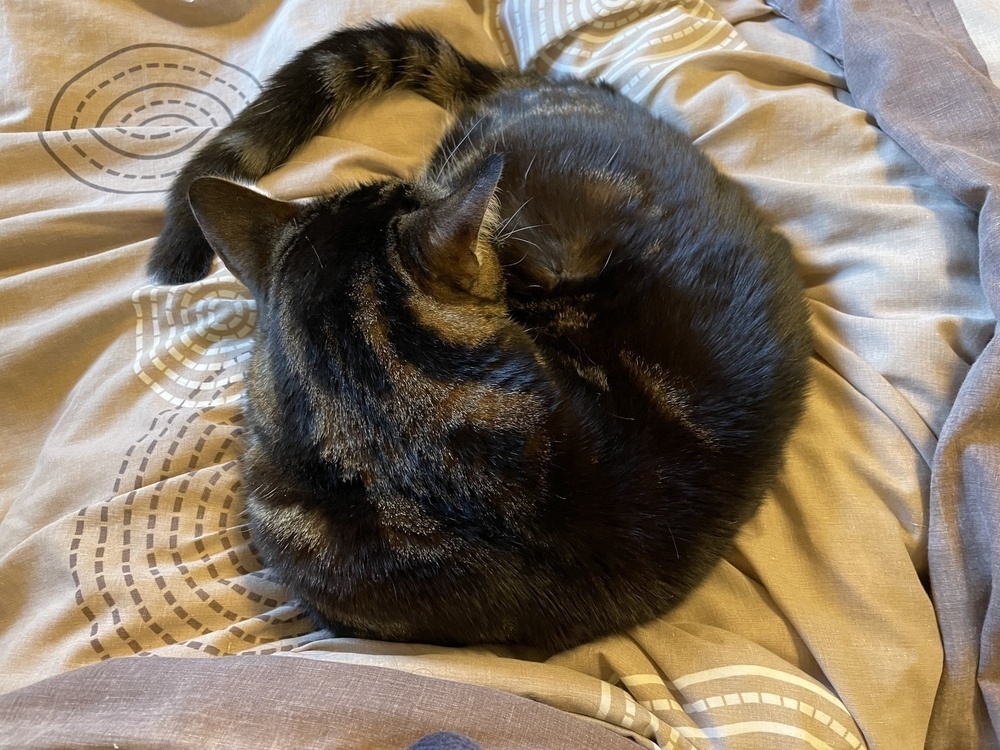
522, 239
511, 218
508, 265
525, 178
522, 229
511, 235
464, 139
612, 156
605, 267
316, 253
225, 530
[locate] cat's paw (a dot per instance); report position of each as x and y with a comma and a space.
181, 254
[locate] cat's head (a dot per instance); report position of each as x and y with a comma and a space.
384, 349
437, 237
407, 261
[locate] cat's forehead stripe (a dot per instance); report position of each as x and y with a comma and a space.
465, 325
451, 400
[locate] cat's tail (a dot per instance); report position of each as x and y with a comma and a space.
319, 84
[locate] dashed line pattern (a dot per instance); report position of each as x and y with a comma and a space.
167, 561
659, 696
771, 699
101, 137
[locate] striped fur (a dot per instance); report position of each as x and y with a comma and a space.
527, 397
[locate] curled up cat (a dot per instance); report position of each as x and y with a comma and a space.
528, 396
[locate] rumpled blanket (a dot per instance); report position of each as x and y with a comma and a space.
856, 609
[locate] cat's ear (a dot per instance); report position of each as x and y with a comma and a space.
242, 226
456, 251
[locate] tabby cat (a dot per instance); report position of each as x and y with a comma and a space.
528, 396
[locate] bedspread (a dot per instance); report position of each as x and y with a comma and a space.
856, 609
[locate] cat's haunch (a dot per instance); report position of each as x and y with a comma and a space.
527, 397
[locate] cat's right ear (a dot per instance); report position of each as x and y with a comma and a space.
242, 225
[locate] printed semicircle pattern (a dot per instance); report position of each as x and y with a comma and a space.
631, 44
193, 340
126, 123
166, 563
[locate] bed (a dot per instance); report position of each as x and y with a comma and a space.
856, 609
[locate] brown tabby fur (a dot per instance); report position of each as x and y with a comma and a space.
528, 396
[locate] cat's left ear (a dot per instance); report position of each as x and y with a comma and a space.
456, 249
242, 226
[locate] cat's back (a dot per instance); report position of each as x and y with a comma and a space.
591, 177
522, 399
654, 282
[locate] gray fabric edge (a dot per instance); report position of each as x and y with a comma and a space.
983, 26
923, 78
260, 701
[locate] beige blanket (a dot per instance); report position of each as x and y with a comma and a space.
120, 511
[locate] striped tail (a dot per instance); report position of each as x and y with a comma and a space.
322, 82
